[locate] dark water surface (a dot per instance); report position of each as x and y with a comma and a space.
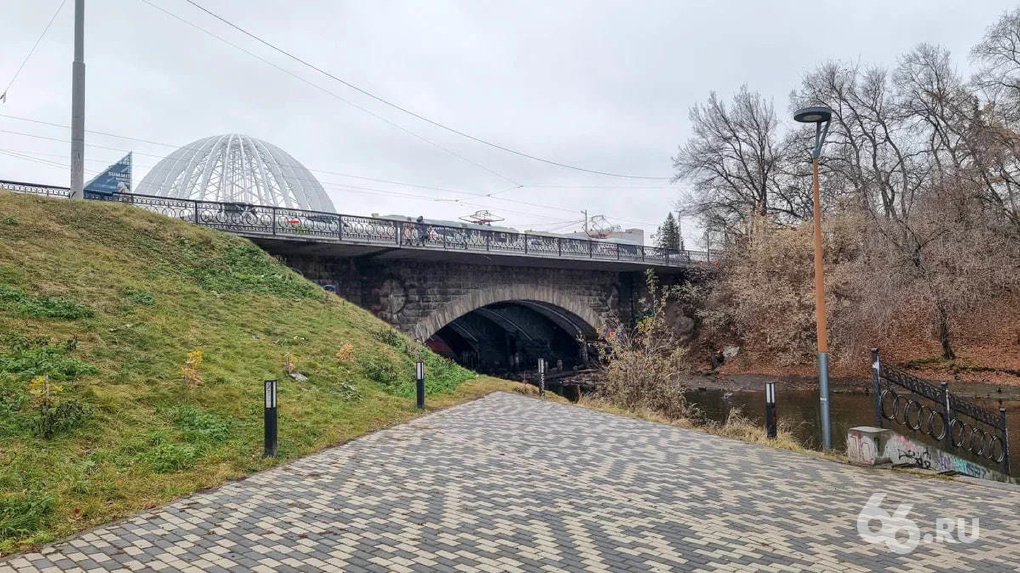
799, 412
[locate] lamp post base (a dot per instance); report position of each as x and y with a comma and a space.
823, 393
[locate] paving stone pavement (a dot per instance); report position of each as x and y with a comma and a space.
512, 483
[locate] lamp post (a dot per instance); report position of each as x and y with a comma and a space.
820, 116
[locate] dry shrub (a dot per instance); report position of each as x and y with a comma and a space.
345, 353
191, 363
912, 286
645, 369
767, 297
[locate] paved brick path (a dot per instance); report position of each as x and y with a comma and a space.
510, 483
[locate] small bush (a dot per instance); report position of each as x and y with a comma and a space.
382, 371
197, 424
21, 514
44, 360
390, 338
11, 400
167, 457
64, 416
139, 296
9, 220
43, 307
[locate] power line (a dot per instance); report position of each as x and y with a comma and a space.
337, 96
3, 95
407, 111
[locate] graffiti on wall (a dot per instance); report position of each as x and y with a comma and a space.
871, 446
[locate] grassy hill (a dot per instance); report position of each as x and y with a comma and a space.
132, 353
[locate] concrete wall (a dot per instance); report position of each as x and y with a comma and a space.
870, 446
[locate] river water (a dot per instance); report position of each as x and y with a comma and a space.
799, 411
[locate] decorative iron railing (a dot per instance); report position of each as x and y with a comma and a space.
926, 407
259, 221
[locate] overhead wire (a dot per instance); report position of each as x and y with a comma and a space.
408, 111
330, 93
3, 94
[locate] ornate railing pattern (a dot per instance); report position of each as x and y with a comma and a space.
256, 220
929, 408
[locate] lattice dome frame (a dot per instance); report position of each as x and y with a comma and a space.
236, 168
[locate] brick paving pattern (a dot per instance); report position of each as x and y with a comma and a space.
511, 483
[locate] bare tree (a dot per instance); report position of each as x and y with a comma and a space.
734, 163
996, 147
998, 53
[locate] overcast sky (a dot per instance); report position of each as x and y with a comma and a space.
597, 84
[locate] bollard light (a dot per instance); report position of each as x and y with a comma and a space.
420, 383
270, 418
541, 377
771, 423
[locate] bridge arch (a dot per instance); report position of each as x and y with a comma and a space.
580, 313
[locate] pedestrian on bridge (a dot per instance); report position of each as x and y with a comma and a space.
423, 232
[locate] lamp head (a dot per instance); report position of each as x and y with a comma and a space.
813, 114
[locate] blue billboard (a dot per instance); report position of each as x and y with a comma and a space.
116, 179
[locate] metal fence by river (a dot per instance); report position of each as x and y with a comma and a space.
798, 411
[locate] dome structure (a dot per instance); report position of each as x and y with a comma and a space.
236, 169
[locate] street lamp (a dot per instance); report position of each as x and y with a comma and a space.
820, 115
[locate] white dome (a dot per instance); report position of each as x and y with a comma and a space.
236, 169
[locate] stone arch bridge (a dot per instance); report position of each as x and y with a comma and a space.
496, 314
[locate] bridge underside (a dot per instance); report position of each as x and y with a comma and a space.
508, 338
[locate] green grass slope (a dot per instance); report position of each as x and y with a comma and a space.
103, 413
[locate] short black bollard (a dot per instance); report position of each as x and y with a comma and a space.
541, 377
270, 423
771, 426
420, 383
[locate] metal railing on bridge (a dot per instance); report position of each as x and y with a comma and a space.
320, 226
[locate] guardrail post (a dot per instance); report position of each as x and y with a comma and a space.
559, 247
398, 230
876, 385
196, 212
525, 243
947, 413
488, 239
272, 213
642, 247
591, 249
1005, 441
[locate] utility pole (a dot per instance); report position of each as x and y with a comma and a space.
586, 233
680, 229
78, 104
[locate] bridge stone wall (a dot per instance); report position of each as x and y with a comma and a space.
420, 297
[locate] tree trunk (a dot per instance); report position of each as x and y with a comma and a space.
947, 348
